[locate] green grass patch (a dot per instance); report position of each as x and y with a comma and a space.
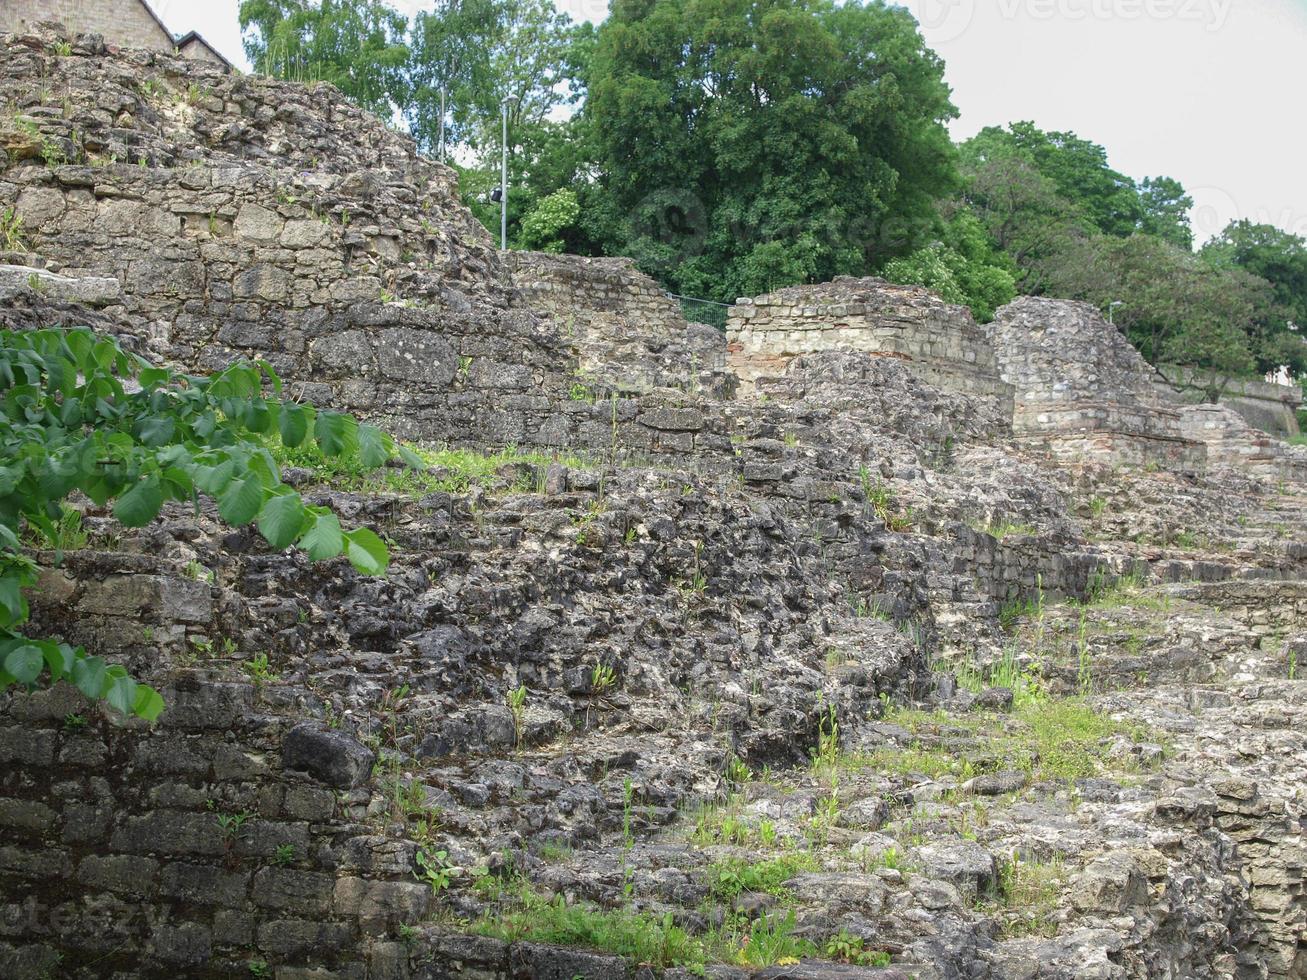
1049, 738
731, 876
447, 470
641, 938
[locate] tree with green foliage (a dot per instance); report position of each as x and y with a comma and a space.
357, 45
543, 227
1077, 168
1166, 206
1281, 260
1022, 211
450, 69
963, 268
80, 414
749, 146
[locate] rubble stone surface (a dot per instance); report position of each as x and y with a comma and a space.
834, 679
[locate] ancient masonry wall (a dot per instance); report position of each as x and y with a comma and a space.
226, 835
1270, 407
941, 343
1235, 446
1082, 392
620, 324
249, 217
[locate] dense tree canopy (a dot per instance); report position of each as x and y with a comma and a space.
357, 45
753, 145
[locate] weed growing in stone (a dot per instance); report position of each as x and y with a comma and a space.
516, 700
259, 670
11, 231
847, 948
433, 869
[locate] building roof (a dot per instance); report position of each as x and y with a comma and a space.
194, 37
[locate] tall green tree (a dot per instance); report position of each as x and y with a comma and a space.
1166, 206
747, 146
357, 45
1281, 260
1077, 168
450, 69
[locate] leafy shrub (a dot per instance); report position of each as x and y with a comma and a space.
81, 414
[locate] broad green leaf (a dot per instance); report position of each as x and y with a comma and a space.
373, 446
336, 434
282, 520
411, 459
242, 501
121, 694
90, 674
141, 504
59, 657
24, 663
156, 430
293, 424
149, 705
323, 539
366, 551
213, 480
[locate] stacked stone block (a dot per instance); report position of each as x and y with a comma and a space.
1082, 392
940, 343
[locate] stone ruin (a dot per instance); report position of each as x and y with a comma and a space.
1083, 392
689, 585
940, 343
619, 323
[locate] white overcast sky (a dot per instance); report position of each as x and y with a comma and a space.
1206, 91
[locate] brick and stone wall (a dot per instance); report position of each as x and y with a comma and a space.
1082, 391
939, 342
123, 23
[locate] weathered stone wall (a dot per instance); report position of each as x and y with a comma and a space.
1270, 407
619, 323
126, 23
249, 217
941, 343
228, 834
1082, 391
1235, 446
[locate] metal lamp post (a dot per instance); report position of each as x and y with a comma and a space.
503, 174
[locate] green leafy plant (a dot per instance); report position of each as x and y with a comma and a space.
850, 949
78, 413
434, 869
284, 855
602, 678
259, 670
11, 231
517, 706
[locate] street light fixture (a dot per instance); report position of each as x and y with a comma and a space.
503, 174
1111, 308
